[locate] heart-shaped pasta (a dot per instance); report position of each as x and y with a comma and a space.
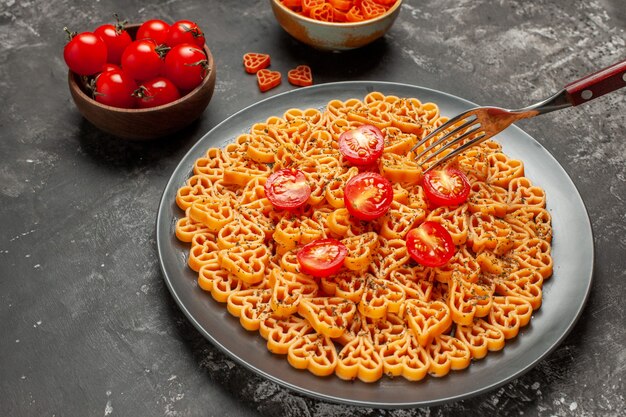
314, 352
525, 283
405, 357
447, 353
203, 250
359, 359
247, 262
468, 300
427, 319
535, 253
502, 169
251, 306
381, 296
187, 228
509, 314
329, 316
488, 199
480, 337
281, 333
218, 281
288, 289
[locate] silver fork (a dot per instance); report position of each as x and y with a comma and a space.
481, 123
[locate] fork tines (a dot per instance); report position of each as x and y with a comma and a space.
456, 135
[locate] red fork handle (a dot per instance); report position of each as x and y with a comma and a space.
597, 84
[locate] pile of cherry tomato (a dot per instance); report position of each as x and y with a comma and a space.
161, 64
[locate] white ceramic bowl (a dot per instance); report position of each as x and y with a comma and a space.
333, 36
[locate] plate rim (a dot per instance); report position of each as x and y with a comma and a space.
376, 85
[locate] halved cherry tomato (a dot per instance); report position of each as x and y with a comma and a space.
322, 257
446, 187
287, 189
368, 195
430, 244
363, 145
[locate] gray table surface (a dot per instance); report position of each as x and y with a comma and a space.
87, 325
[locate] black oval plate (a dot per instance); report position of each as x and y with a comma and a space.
565, 293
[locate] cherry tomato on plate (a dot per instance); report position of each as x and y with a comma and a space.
322, 257
430, 244
142, 60
116, 39
287, 189
185, 31
156, 92
85, 53
115, 88
363, 145
368, 195
154, 29
186, 66
446, 187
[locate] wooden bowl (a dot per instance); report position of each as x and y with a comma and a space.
144, 124
333, 36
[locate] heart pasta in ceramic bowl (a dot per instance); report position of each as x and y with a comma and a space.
336, 25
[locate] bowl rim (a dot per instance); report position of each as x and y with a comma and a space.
367, 22
74, 84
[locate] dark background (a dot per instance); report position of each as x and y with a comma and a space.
87, 326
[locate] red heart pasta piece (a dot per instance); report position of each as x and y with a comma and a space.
268, 79
300, 76
254, 62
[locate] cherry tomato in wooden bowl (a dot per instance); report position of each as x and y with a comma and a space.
368, 195
148, 123
430, 244
322, 257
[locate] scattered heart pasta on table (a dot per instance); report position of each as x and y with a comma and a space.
366, 308
300, 76
268, 79
253, 62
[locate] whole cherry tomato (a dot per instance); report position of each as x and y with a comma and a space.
156, 92
154, 29
430, 244
115, 88
109, 67
322, 257
186, 66
116, 39
143, 60
362, 146
85, 53
185, 31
